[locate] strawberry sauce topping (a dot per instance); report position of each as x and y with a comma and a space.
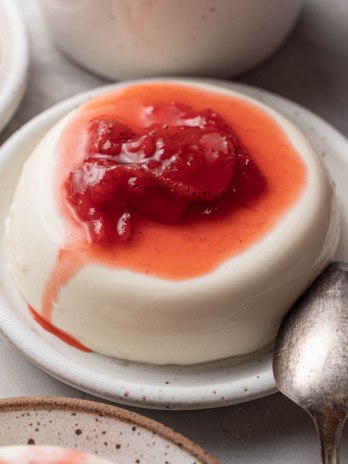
185, 164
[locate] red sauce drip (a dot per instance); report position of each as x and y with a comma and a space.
185, 165
186, 248
57, 332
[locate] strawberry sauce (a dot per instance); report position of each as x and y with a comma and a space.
184, 165
232, 173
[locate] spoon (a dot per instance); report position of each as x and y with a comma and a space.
310, 362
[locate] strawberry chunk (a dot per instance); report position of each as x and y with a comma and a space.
183, 160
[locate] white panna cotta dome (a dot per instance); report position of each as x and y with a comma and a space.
232, 310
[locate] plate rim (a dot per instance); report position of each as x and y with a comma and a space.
183, 400
55, 403
15, 81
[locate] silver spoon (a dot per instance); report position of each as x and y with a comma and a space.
310, 362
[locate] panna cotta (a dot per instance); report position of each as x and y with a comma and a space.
170, 222
46, 455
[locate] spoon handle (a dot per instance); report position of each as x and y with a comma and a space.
329, 426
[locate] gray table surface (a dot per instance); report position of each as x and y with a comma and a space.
311, 69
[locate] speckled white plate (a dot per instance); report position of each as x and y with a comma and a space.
208, 385
113, 433
14, 60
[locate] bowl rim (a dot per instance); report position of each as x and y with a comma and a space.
15, 80
59, 403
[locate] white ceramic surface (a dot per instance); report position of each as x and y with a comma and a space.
112, 433
14, 60
172, 387
123, 39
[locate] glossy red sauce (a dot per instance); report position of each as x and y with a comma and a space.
184, 165
184, 249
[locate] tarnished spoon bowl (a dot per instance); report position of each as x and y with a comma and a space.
310, 361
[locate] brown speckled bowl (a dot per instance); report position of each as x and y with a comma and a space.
114, 433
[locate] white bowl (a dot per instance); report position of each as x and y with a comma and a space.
122, 39
14, 60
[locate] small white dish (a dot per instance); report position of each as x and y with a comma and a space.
127, 39
207, 385
14, 60
110, 432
